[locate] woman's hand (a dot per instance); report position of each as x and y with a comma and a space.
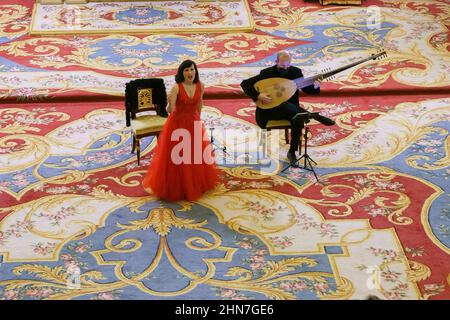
172, 99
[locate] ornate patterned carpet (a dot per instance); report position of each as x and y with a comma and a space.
70, 194
138, 17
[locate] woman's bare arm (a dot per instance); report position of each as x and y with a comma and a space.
172, 98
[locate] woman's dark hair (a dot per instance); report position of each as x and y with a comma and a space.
179, 77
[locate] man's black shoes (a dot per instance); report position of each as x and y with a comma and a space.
292, 159
301, 117
324, 120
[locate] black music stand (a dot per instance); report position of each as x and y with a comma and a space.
306, 117
215, 146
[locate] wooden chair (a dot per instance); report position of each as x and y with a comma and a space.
145, 95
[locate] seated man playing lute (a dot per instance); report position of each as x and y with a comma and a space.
288, 110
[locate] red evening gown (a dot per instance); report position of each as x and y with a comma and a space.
169, 179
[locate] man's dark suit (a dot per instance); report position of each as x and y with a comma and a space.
287, 110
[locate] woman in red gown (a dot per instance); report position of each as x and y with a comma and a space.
183, 166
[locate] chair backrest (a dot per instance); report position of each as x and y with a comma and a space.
144, 95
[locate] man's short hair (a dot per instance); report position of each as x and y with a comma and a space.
283, 53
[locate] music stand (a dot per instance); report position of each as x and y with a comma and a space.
306, 117
215, 146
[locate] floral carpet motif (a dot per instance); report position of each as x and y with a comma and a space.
71, 197
413, 33
152, 16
